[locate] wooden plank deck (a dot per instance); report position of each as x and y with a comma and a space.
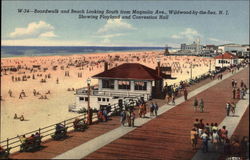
168, 136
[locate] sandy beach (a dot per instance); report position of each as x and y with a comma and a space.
53, 75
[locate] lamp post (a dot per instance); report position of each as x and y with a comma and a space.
231, 61
210, 65
89, 114
191, 68
158, 83
158, 60
222, 61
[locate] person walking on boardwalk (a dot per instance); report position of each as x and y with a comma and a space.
123, 117
235, 83
234, 92
194, 136
215, 139
185, 92
168, 96
105, 114
173, 97
224, 133
232, 83
196, 124
128, 117
195, 104
144, 110
233, 106
156, 109
242, 93
205, 139
201, 105
228, 108
140, 110
241, 83
132, 118
151, 109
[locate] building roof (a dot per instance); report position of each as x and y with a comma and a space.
226, 55
133, 71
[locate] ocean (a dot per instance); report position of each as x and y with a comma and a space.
29, 51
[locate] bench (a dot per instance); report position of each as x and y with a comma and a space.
30, 145
60, 134
5, 153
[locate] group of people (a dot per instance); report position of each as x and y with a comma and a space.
128, 116
153, 109
21, 117
4, 153
102, 115
219, 76
79, 124
199, 104
142, 110
171, 92
207, 132
35, 93
230, 107
238, 92
218, 137
31, 142
22, 94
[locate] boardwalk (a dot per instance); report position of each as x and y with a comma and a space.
167, 136
161, 138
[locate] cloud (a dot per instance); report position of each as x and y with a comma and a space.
114, 25
188, 33
111, 35
48, 34
34, 30
218, 40
176, 37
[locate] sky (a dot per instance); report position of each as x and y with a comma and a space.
34, 29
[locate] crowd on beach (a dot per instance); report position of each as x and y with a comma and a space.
47, 69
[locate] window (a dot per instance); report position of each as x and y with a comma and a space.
86, 99
108, 83
99, 99
81, 98
140, 85
103, 99
107, 99
124, 85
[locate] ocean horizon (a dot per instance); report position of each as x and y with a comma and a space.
32, 51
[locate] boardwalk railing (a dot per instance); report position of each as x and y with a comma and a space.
46, 132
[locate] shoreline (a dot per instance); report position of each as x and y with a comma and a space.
82, 53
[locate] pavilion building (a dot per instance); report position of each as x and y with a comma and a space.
126, 81
226, 60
